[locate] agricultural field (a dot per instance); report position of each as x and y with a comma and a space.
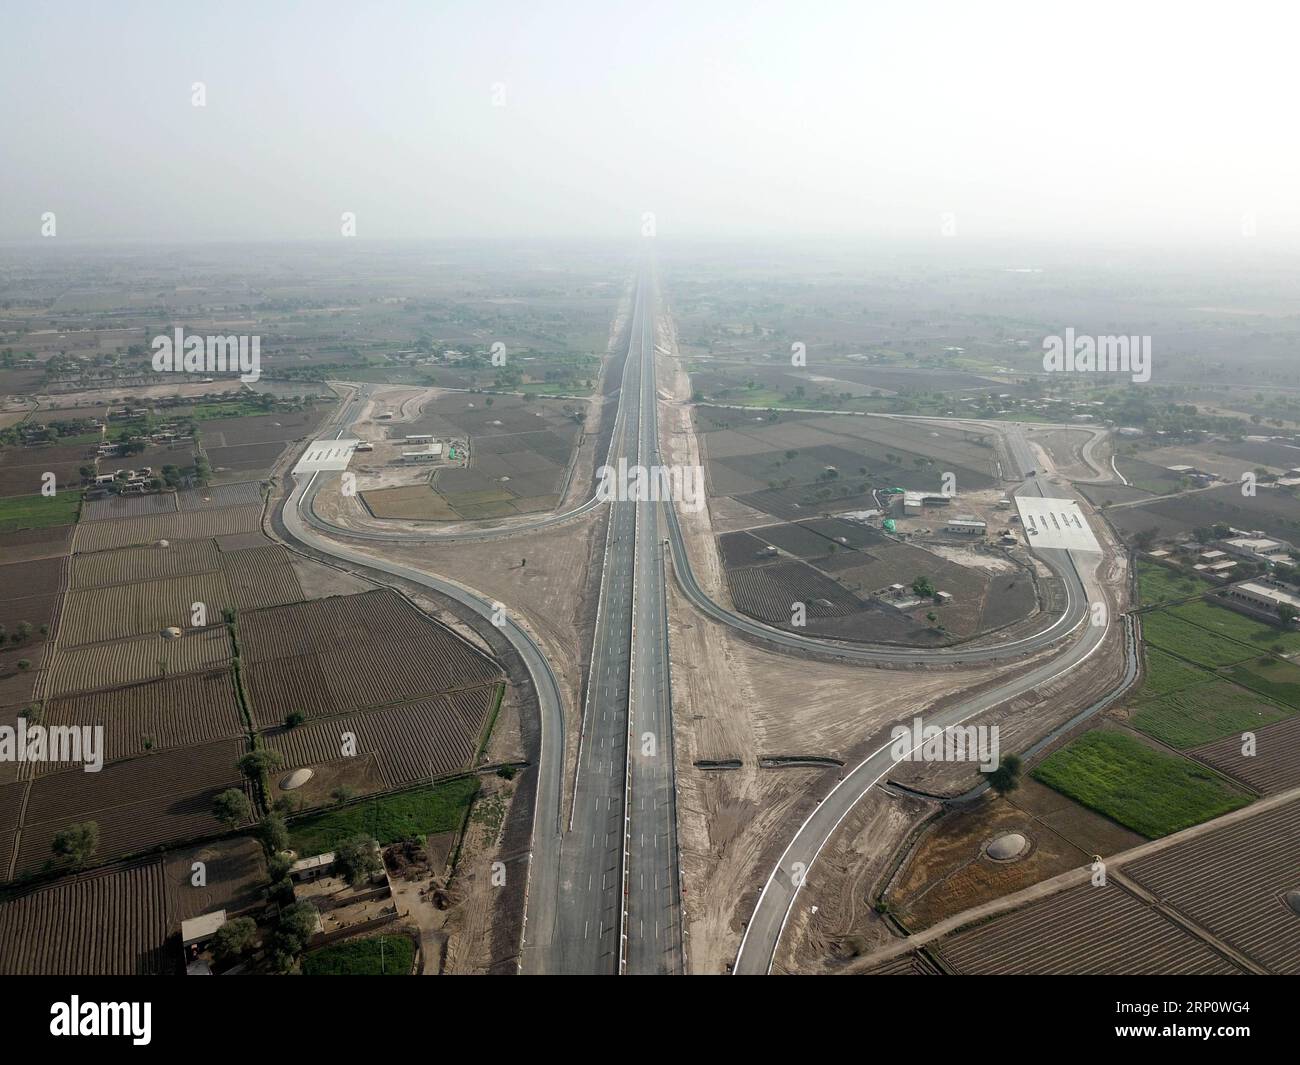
239, 580
129, 506
23, 469
1085, 930
1166, 674
1171, 633
1158, 584
1205, 712
28, 544
836, 568
22, 512
176, 712
1272, 765
1275, 511
424, 811
1232, 880
1142, 788
410, 741
109, 922
343, 653
132, 661
382, 955
187, 525
1226, 622
1269, 676
145, 802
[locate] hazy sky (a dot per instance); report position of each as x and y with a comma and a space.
1043, 119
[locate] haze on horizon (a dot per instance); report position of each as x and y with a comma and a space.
1156, 123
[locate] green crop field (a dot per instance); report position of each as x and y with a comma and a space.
39, 512
1272, 677
1204, 713
1151, 792
1166, 674
388, 818
1192, 642
376, 956
1157, 585
1236, 626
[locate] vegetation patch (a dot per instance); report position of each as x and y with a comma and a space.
1204, 713
1151, 792
39, 512
377, 956
388, 818
1192, 642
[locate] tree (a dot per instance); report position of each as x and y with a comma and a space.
923, 587
231, 807
234, 939
274, 834
255, 763
294, 718
1006, 777
297, 924
357, 859
78, 842
1287, 613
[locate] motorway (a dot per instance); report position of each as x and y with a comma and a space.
576, 921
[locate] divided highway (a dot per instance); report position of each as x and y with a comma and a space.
604, 893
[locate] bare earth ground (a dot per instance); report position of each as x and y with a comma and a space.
835, 918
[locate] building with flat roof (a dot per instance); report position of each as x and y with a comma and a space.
966, 525
432, 453
1266, 595
1258, 548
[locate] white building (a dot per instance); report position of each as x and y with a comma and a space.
1258, 548
1267, 597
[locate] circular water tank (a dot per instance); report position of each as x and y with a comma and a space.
1007, 847
296, 779
171, 633
1293, 900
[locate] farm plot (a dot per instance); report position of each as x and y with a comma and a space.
108, 665
347, 652
1085, 930
128, 506
238, 493
1192, 642
1272, 766
132, 565
1269, 676
1142, 788
11, 808
1204, 713
260, 577
416, 502
1226, 622
1277, 513
280, 427
1232, 881
37, 511
412, 741
23, 470
38, 577
26, 545
96, 614
244, 460
109, 922
193, 525
138, 804
176, 712
770, 592
1166, 674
